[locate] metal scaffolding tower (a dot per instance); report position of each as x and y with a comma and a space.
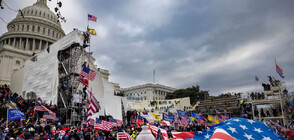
69, 72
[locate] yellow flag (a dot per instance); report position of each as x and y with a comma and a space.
157, 118
193, 119
92, 31
215, 121
210, 118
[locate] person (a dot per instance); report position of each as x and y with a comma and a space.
169, 134
73, 135
133, 134
5, 134
21, 137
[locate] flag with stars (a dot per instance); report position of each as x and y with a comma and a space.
239, 129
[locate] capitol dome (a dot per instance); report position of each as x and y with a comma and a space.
34, 29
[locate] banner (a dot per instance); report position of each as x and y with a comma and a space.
13, 114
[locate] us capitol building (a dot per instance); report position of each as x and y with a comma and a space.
31, 33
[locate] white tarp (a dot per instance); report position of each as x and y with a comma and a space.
41, 76
110, 105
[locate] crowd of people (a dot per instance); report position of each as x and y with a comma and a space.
257, 95
37, 128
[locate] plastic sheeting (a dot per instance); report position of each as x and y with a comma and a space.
41, 76
110, 105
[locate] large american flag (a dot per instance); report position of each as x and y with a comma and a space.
103, 125
241, 129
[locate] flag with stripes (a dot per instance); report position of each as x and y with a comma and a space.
176, 135
87, 73
103, 125
122, 135
184, 121
93, 105
92, 18
119, 122
83, 80
279, 70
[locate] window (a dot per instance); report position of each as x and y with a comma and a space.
17, 62
33, 28
43, 30
36, 13
48, 31
38, 29
28, 27
56, 35
18, 28
22, 29
52, 33
32, 12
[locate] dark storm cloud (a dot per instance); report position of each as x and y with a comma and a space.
220, 45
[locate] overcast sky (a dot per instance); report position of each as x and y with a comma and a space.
218, 45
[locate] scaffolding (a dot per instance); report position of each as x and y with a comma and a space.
273, 96
69, 72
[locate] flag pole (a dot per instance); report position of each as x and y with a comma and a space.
7, 119
276, 69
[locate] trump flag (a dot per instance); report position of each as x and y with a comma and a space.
13, 114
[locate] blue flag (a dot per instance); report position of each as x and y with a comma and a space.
197, 115
15, 114
182, 113
291, 104
241, 129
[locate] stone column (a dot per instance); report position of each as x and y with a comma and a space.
34, 45
46, 44
27, 44
40, 45
13, 43
20, 43
9, 41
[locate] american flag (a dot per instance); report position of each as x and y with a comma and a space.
184, 121
92, 18
119, 122
93, 105
42, 108
239, 128
176, 135
122, 135
83, 80
87, 73
114, 121
103, 125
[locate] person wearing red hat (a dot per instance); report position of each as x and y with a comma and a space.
20, 137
